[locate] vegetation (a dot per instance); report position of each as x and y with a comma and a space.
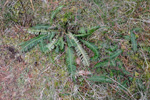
90, 49
59, 36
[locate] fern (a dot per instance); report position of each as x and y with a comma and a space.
61, 43
93, 29
93, 48
102, 64
55, 12
70, 42
51, 45
41, 26
37, 31
41, 44
60, 38
32, 42
80, 51
86, 32
70, 62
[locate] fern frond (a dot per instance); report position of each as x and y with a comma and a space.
40, 28
61, 43
70, 62
42, 46
93, 29
37, 31
55, 12
32, 42
52, 36
93, 48
70, 56
80, 51
90, 31
51, 45
70, 42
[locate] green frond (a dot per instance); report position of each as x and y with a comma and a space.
37, 31
42, 46
32, 42
40, 28
80, 51
53, 15
86, 32
70, 56
70, 61
82, 30
51, 45
93, 29
104, 63
61, 43
93, 48
52, 36
70, 42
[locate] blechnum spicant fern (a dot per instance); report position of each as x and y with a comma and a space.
53, 37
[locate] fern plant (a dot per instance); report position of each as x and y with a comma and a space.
62, 38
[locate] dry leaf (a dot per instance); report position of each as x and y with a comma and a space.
78, 61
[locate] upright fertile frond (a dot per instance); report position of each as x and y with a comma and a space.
32, 42
50, 45
80, 51
70, 61
55, 12
93, 48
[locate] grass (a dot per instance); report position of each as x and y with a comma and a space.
122, 40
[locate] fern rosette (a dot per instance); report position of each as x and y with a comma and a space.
62, 39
